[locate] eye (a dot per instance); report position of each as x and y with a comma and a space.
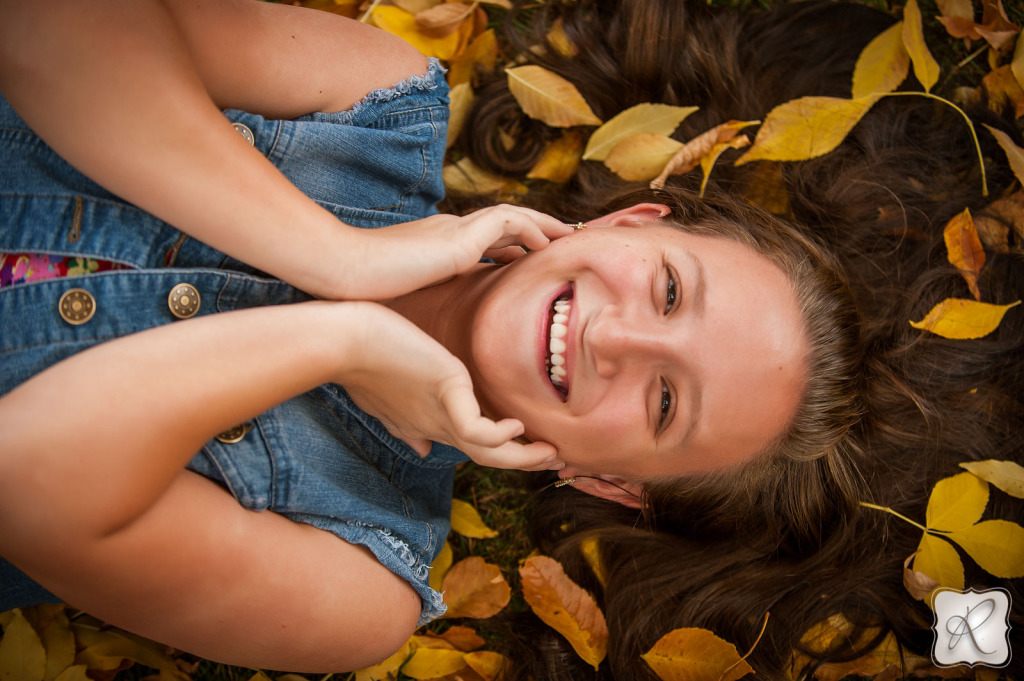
666, 406
670, 291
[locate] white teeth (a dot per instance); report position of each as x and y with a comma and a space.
558, 331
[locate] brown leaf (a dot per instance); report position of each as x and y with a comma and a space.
560, 159
397, 21
442, 20
995, 27
640, 157
565, 607
475, 588
693, 152
999, 217
918, 584
925, 67
1014, 154
461, 638
766, 187
806, 128
883, 64
964, 249
1002, 87
465, 177
692, 654
708, 160
549, 98
415, 6
1017, 64
963, 319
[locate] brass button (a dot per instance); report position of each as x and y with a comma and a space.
183, 301
77, 306
245, 132
233, 435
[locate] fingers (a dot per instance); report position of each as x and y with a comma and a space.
507, 225
536, 456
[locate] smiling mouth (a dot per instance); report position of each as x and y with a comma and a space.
558, 330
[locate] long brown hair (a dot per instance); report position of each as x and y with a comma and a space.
896, 409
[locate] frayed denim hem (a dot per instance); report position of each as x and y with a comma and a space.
426, 82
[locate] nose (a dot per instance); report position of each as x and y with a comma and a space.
616, 340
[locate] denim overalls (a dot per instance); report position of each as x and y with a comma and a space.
315, 459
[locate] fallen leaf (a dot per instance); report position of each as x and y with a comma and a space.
1002, 87
106, 648
475, 588
883, 64
559, 40
398, 22
707, 162
51, 623
692, 154
416, 6
938, 559
963, 319
1017, 64
956, 502
995, 545
549, 98
22, 657
433, 663
926, 69
465, 177
918, 584
482, 50
591, 551
561, 158
467, 521
440, 567
995, 27
565, 607
488, 664
462, 99
641, 157
1006, 475
462, 638
692, 654
963, 248
1014, 154
806, 128
443, 19
346, 8
656, 119
765, 186
75, 673
504, 4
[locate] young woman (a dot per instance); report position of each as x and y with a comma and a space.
787, 536
132, 414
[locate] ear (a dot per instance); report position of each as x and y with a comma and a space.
607, 487
633, 216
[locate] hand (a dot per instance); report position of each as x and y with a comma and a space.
423, 393
394, 260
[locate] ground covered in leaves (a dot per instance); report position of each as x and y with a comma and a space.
489, 565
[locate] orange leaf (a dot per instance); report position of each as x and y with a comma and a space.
692, 654
1002, 86
461, 638
482, 51
475, 588
442, 20
963, 319
964, 249
565, 607
399, 22
487, 664
691, 153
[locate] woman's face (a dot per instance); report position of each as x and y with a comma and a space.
675, 352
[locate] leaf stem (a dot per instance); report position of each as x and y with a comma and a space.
369, 10
898, 515
764, 625
970, 126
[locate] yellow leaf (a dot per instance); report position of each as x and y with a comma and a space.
549, 98
399, 22
939, 560
22, 657
956, 502
692, 654
51, 622
592, 553
475, 588
918, 584
996, 545
461, 99
504, 4
75, 673
964, 249
697, 149
641, 157
440, 567
465, 177
655, 119
806, 128
387, 669
560, 159
462, 638
443, 19
1002, 88
467, 522
559, 40
565, 607
1006, 475
259, 676
482, 50
707, 162
433, 663
1013, 153
416, 6
487, 664
1017, 65
883, 64
963, 319
925, 67
104, 649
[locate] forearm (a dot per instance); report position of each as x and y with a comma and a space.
88, 445
113, 88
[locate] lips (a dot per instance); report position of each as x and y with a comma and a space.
556, 342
